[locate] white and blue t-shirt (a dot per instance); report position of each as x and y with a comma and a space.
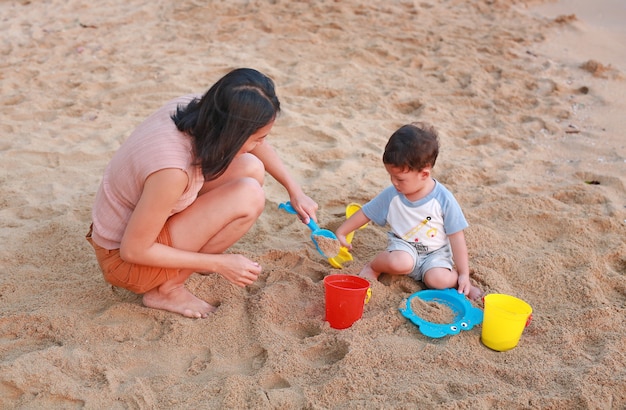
426, 223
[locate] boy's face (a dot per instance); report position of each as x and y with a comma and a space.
408, 182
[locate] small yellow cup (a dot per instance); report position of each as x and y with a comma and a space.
505, 318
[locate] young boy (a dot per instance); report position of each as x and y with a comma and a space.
426, 240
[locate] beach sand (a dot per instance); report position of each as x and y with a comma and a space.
531, 128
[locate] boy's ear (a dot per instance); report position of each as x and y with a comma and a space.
426, 172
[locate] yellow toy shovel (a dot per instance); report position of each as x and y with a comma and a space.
344, 255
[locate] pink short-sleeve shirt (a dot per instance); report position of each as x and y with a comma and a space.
154, 145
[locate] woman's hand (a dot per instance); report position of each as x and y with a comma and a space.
238, 269
305, 207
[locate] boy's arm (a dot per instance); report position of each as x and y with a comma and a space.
357, 220
461, 260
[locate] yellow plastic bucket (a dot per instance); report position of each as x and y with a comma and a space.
505, 318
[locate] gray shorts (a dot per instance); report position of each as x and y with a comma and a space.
422, 261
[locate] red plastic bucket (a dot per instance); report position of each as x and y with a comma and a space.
345, 297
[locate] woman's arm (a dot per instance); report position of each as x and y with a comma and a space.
160, 193
304, 205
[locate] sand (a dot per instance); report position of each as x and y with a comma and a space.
532, 146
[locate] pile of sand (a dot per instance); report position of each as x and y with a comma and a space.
539, 175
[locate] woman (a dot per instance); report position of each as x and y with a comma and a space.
184, 187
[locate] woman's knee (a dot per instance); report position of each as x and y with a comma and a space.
250, 194
244, 166
252, 167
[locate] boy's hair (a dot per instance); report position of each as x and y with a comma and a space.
413, 146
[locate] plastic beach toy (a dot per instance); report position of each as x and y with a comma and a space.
315, 230
465, 315
345, 296
506, 317
344, 254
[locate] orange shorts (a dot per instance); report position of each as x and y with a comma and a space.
136, 278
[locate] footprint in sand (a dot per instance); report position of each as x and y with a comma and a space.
326, 353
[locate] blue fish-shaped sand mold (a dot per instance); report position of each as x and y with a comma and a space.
466, 316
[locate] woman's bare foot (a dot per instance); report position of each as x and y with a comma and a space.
368, 273
177, 300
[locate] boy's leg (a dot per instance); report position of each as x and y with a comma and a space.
391, 262
443, 278
440, 278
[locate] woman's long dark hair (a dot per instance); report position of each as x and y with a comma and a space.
234, 108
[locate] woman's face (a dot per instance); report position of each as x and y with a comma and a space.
256, 139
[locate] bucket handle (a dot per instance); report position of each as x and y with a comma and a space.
368, 295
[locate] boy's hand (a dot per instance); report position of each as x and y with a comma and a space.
342, 240
464, 284
357, 220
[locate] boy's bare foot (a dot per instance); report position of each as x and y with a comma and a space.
368, 273
475, 293
178, 300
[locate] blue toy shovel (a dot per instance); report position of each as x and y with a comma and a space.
315, 230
